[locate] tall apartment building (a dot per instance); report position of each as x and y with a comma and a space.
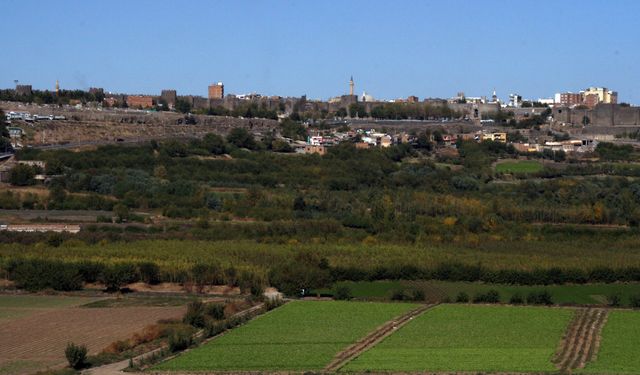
570, 99
601, 95
216, 91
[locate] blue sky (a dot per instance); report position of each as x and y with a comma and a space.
290, 48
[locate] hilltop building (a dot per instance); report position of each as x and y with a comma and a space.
216, 91
139, 101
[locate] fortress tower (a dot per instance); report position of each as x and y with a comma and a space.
351, 85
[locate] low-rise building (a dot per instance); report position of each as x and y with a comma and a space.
59, 228
496, 137
315, 149
139, 101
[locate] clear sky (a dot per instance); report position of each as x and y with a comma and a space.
392, 48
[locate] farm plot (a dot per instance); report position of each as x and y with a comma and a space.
302, 335
18, 306
471, 338
619, 345
522, 166
35, 338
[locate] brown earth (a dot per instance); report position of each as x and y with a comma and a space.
40, 339
581, 341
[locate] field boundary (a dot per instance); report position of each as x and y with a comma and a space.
116, 368
581, 340
373, 338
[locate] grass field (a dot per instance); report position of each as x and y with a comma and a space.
435, 290
18, 306
471, 338
519, 166
619, 346
302, 335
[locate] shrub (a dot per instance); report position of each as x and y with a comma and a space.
76, 355
149, 272
215, 311
462, 297
614, 300
37, 274
195, 314
116, 276
398, 295
417, 295
516, 299
634, 301
492, 296
540, 298
179, 340
343, 292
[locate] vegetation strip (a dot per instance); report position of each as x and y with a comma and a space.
299, 336
480, 338
373, 338
580, 343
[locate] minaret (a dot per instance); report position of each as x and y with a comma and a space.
351, 86
57, 87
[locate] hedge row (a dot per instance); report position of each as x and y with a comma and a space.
462, 272
38, 274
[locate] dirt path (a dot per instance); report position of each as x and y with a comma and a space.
118, 367
373, 338
582, 340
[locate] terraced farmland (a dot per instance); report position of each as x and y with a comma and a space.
619, 345
471, 338
302, 335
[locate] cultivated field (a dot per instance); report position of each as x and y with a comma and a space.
435, 290
174, 256
619, 346
303, 335
34, 330
471, 338
522, 166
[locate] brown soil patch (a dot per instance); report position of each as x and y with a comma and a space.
224, 290
581, 341
37, 190
6, 284
42, 337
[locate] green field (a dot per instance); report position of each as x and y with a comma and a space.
16, 306
42, 302
620, 345
521, 166
471, 338
302, 335
434, 290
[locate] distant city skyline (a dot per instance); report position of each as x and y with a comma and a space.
289, 48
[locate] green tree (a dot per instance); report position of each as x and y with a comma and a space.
76, 355
241, 137
215, 144
22, 175
183, 106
